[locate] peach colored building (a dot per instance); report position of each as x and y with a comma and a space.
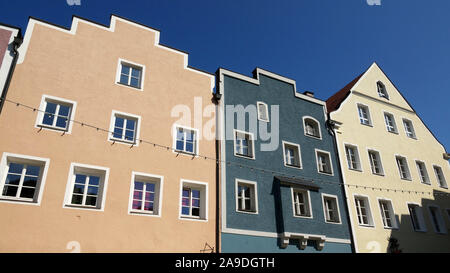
102, 152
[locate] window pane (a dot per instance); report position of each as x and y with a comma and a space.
185, 210
134, 82
180, 145
148, 206
10, 191
78, 189
185, 193
149, 196
27, 192
77, 199
195, 193
131, 124
80, 179
12, 179
30, 181
138, 186
117, 132
196, 203
136, 73
124, 79
94, 180
248, 204
185, 202
150, 187
91, 201
32, 170
137, 195
189, 147
137, 205
119, 122
61, 122
195, 212
125, 70
129, 135
92, 191
15, 168
49, 113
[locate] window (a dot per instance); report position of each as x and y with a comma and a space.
246, 196
186, 140
311, 127
363, 211
243, 144
56, 114
423, 173
130, 74
263, 111
382, 90
409, 129
387, 214
194, 200
331, 209
415, 212
364, 115
86, 187
301, 203
124, 128
292, 156
353, 161
390, 123
324, 162
440, 177
22, 178
375, 162
437, 220
146, 194
403, 168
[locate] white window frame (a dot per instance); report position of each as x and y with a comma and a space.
418, 162
369, 150
75, 168
124, 115
132, 64
317, 124
439, 219
357, 157
368, 207
409, 178
307, 202
40, 116
394, 123
392, 215
325, 212
204, 200
381, 94
24, 159
174, 141
254, 202
260, 104
252, 139
414, 136
369, 118
330, 160
445, 186
158, 180
420, 217
298, 153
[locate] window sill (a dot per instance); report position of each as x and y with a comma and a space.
332, 222
329, 174
247, 212
303, 217
18, 200
293, 166
52, 128
130, 86
71, 206
141, 213
366, 226
314, 137
369, 125
443, 187
184, 153
244, 156
406, 179
393, 132
121, 141
192, 218
356, 170
264, 120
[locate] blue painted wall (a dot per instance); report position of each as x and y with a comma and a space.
275, 212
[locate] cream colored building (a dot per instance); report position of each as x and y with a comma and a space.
93, 156
396, 173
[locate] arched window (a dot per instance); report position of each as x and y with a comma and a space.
382, 90
311, 127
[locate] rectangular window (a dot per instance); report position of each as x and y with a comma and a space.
263, 111
331, 209
130, 75
363, 211
352, 157
409, 129
186, 140
390, 123
243, 144
403, 168
146, 194
292, 155
246, 197
423, 173
416, 215
301, 203
194, 200
324, 162
437, 220
387, 214
375, 162
124, 127
364, 115
440, 177
55, 113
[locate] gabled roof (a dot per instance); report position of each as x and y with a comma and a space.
335, 101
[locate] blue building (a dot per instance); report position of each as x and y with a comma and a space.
280, 187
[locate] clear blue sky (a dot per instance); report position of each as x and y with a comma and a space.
322, 44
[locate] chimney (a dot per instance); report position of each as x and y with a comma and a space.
309, 94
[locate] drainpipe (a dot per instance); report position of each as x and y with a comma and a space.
330, 126
15, 46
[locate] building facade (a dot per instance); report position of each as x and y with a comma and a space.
280, 187
99, 151
395, 171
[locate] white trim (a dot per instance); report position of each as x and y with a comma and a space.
299, 151
113, 122
369, 116
158, 195
368, 149
409, 178
426, 171
358, 158
40, 184
73, 107
440, 219
252, 140
393, 120
371, 221
132, 64
102, 189
174, 141
309, 207
255, 190
73, 30
437, 180
318, 127
420, 217
335, 197
329, 158
394, 221
266, 107
412, 127
203, 187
